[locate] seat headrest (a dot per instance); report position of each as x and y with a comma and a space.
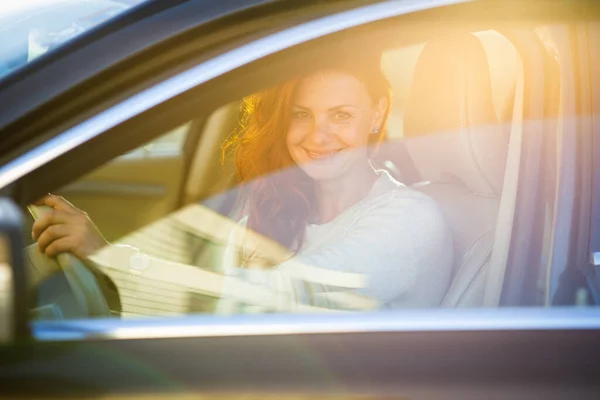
450, 126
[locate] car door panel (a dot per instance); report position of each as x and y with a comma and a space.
434, 365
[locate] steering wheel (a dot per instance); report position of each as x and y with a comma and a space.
66, 287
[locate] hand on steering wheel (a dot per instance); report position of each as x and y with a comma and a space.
66, 229
66, 236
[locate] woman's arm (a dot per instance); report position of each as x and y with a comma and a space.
392, 247
399, 244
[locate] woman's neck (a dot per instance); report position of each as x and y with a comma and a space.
337, 195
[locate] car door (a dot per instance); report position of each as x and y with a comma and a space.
419, 353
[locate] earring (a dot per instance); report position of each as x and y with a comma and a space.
375, 131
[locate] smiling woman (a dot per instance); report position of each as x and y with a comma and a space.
327, 123
329, 206
303, 150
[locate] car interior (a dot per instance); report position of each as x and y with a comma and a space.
462, 171
453, 133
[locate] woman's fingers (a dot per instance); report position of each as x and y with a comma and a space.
51, 234
66, 228
78, 236
65, 244
53, 217
57, 202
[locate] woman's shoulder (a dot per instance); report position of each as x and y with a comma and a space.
396, 206
387, 191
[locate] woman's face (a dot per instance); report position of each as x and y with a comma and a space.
332, 118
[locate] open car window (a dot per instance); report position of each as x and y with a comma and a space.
215, 211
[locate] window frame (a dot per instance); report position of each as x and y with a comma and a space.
527, 228
100, 129
590, 56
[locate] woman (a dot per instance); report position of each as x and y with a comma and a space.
304, 149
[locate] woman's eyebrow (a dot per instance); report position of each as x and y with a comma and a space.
344, 106
330, 109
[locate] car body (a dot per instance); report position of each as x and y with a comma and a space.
148, 95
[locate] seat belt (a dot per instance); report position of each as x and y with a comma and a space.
506, 211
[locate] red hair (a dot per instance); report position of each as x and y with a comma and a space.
279, 199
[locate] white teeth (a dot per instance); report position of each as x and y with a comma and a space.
320, 155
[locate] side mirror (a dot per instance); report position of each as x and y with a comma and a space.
14, 322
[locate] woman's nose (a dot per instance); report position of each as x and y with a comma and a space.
321, 132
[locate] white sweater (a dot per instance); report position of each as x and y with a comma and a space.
392, 249
396, 239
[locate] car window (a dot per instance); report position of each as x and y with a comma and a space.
240, 211
31, 28
168, 145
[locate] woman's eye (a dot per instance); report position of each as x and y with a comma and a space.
301, 115
342, 116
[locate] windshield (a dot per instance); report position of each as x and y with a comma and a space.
31, 28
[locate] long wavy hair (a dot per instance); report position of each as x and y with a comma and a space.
278, 199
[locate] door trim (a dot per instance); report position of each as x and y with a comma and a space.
460, 320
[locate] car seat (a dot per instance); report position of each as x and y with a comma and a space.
459, 149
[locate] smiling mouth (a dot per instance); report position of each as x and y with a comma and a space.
319, 155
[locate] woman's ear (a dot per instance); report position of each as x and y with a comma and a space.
380, 111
